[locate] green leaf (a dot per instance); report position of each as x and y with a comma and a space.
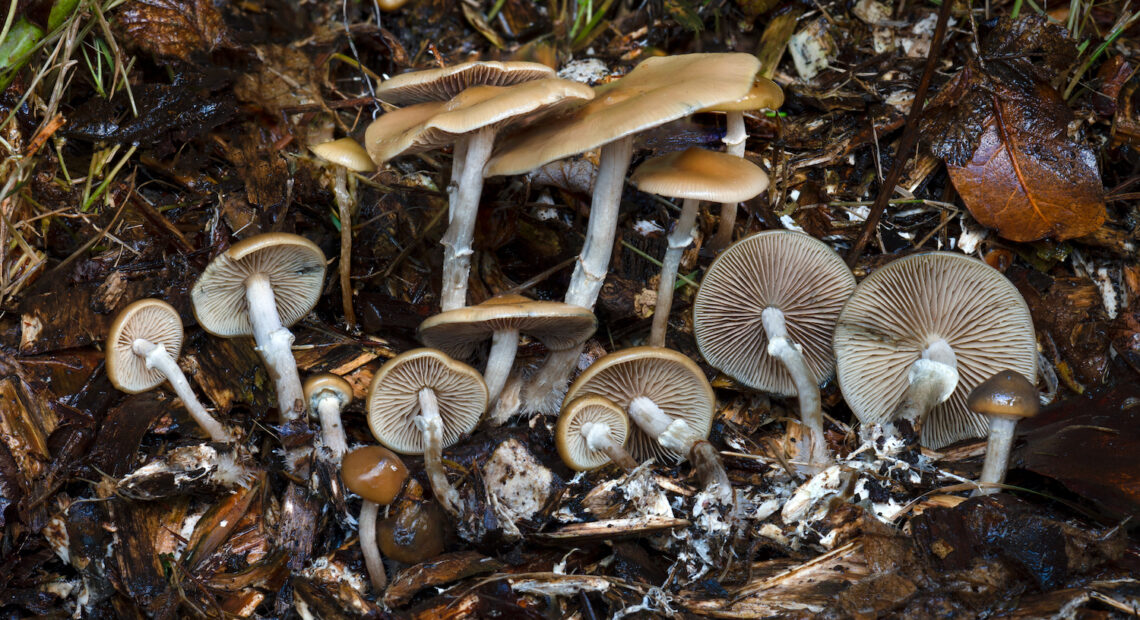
20, 42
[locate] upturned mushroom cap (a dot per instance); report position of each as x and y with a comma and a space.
345, 152
655, 92
764, 95
900, 309
374, 473
153, 320
572, 446
324, 385
701, 174
559, 326
393, 398
294, 265
443, 84
1007, 394
793, 272
672, 381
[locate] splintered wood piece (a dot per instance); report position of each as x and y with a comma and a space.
612, 529
443, 569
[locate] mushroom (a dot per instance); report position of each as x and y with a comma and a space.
142, 346
918, 334
421, 402
559, 326
446, 82
655, 92
328, 395
261, 286
470, 121
694, 175
1006, 398
345, 152
765, 315
591, 432
376, 474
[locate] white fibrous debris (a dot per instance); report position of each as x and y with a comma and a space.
971, 235
820, 486
901, 100
517, 480
790, 224
546, 214
566, 586
186, 532
1107, 291
871, 11
858, 213
586, 70
810, 48
771, 531
647, 227
326, 570
923, 31
55, 532
882, 39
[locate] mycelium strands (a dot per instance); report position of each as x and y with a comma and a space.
158, 359
431, 425
332, 428
734, 142
997, 454
598, 437
504, 346
676, 435
931, 381
475, 149
369, 512
791, 355
679, 239
274, 343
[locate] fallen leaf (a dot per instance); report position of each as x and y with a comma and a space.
173, 28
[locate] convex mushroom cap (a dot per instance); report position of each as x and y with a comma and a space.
327, 385
1006, 394
152, 320
557, 325
447, 82
374, 473
700, 174
345, 152
571, 440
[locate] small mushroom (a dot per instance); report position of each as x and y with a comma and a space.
693, 175
446, 82
376, 474
328, 395
421, 402
261, 286
591, 432
142, 346
765, 315
1005, 398
345, 152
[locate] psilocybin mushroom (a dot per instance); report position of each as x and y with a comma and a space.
918, 334
591, 432
345, 152
693, 175
328, 395
421, 402
446, 82
141, 349
765, 315
261, 286
1005, 398
376, 474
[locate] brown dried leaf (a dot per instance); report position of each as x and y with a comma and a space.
173, 28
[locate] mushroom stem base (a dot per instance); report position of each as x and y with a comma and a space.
158, 359
463, 213
710, 470
997, 454
369, 511
332, 429
679, 239
811, 410
431, 425
504, 345
274, 343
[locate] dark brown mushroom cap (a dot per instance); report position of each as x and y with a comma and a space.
1007, 394
764, 95
393, 398
324, 384
153, 320
701, 174
559, 326
296, 270
900, 309
572, 446
374, 473
672, 381
793, 272
443, 84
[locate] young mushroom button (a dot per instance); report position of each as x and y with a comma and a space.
376, 475
328, 395
1005, 398
591, 432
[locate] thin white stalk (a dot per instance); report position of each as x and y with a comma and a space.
369, 511
431, 425
463, 214
932, 380
458, 155
158, 359
997, 454
734, 140
504, 345
332, 429
679, 239
791, 355
598, 438
274, 343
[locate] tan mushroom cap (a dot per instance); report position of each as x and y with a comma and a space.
793, 272
1007, 394
764, 95
701, 174
153, 320
296, 270
374, 473
345, 152
557, 325
382, 138
393, 398
326, 382
655, 92
672, 381
900, 309
443, 84
568, 433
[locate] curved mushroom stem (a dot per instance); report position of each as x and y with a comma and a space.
679, 239
369, 511
332, 429
274, 343
344, 203
734, 138
431, 425
933, 379
158, 359
676, 435
997, 454
811, 411
463, 213
504, 345
598, 437
706, 462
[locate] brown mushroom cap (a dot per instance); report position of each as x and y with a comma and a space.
325, 383
656, 91
443, 84
393, 398
559, 326
672, 381
764, 95
900, 309
793, 272
345, 152
701, 174
153, 320
374, 473
1007, 394
296, 270
572, 446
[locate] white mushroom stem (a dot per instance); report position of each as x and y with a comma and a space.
598, 438
369, 511
158, 359
679, 239
734, 139
932, 379
332, 429
463, 213
675, 434
791, 355
997, 454
274, 343
504, 345
431, 425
